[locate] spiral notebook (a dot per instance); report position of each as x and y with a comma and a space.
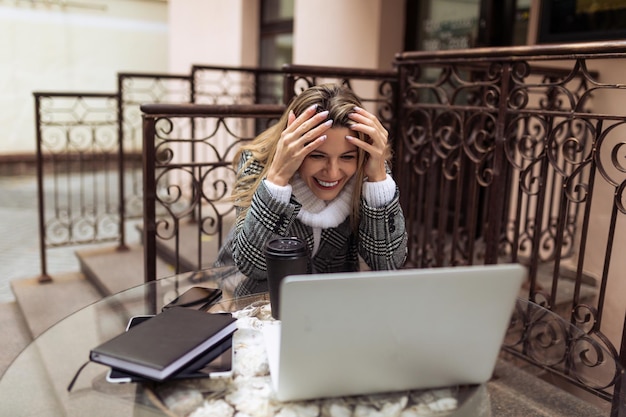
372, 332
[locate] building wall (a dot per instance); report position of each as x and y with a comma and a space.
348, 33
48, 48
82, 50
212, 32
369, 34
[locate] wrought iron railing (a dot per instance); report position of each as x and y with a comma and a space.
193, 197
503, 161
207, 85
236, 85
551, 342
135, 89
64, 118
212, 85
77, 149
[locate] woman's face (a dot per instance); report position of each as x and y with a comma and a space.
328, 168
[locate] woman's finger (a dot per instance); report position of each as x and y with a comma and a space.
369, 124
308, 119
302, 135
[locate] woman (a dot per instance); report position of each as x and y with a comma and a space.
321, 173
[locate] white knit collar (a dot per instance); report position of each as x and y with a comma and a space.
318, 213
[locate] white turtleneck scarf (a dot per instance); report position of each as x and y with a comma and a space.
316, 213
319, 214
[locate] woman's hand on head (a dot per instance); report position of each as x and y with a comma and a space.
302, 135
367, 123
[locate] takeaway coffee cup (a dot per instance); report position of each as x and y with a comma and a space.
284, 256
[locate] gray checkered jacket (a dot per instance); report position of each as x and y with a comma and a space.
381, 240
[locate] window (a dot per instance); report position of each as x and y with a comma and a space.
435, 25
443, 24
581, 20
276, 48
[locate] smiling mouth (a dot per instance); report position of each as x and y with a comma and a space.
326, 184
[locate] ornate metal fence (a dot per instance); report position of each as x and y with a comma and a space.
503, 161
208, 85
193, 196
77, 149
135, 89
236, 85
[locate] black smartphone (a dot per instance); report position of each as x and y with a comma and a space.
198, 298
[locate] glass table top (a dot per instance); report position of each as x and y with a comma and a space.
36, 383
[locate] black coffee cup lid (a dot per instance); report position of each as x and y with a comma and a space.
286, 245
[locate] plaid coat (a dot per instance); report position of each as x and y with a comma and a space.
381, 239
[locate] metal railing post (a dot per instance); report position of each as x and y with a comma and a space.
149, 198
44, 277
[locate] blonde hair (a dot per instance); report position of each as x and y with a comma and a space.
340, 102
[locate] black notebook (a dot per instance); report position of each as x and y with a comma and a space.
165, 344
211, 364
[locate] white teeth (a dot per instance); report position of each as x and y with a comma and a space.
327, 184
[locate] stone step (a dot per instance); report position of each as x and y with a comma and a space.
103, 271
111, 270
188, 250
510, 382
37, 306
15, 333
42, 305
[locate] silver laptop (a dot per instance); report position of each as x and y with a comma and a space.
371, 332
